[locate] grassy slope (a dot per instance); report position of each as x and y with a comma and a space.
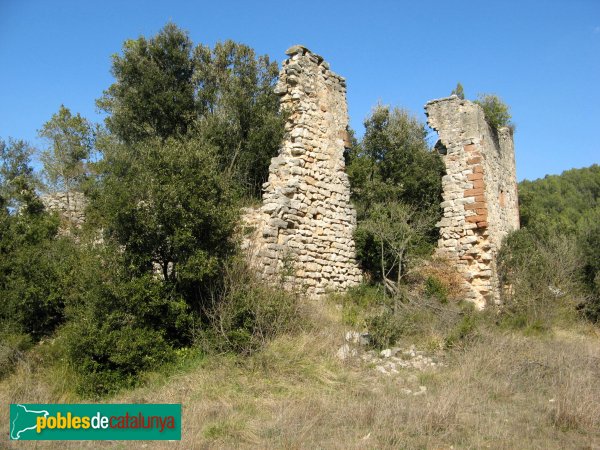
502, 390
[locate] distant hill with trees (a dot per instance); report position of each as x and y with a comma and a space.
560, 226
564, 201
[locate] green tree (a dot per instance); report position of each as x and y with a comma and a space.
153, 93
71, 142
459, 91
560, 201
240, 111
568, 205
33, 263
541, 272
497, 113
17, 178
398, 231
167, 204
394, 162
164, 87
393, 165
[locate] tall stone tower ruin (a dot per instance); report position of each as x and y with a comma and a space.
479, 190
303, 230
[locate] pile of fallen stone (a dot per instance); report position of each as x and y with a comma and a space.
388, 361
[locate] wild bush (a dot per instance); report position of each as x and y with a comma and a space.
435, 288
247, 313
540, 278
412, 315
497, 113
439, 278
12, 348
119, 324
112, 355
34, 262
391, 240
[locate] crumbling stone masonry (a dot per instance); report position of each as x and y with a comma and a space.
70, 208
303, 230
480, 192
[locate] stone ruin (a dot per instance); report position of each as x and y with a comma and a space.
479, 190
303, 232
69, 206
304, 229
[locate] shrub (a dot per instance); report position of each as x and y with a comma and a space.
390, 240
589, 242
112, 355
497, 113
463, 330
120, 325
247, 314
357, 302
410, 315
540, 278
384, 329
435, 288
34, 272
440, 279
12, 347
459, 91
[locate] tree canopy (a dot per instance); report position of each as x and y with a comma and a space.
568, 205
17, 178
560, 201
167, 88
153, 93
71, 141
392, 169
393, 161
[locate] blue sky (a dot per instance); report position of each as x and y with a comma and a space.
541, 57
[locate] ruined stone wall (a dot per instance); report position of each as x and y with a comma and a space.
304, 228
71, 209
480, 192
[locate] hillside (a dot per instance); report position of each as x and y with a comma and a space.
563, 200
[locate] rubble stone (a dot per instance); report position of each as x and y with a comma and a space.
69, 206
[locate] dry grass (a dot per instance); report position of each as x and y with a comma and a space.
445, 272
502, 391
